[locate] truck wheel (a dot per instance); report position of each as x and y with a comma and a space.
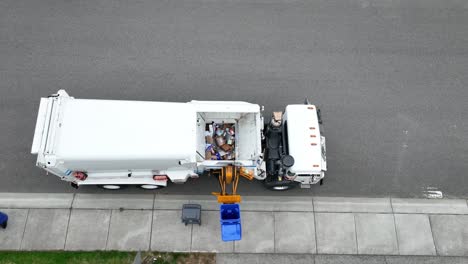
279, 185
111, 187
4, 225
284, 187
150, 186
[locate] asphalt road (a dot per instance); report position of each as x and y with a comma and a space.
390, 76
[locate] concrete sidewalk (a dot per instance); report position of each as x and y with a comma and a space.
333, 259
306, 225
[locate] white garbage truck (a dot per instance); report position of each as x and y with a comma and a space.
116, 143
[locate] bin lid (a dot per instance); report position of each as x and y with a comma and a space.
231, 231
3, 217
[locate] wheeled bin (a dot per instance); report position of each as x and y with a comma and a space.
231, 228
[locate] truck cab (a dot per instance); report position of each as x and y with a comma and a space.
295, 150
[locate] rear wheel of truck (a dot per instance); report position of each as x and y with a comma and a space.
111, 187
150, 186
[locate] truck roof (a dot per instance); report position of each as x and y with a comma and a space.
304, 144
124, 130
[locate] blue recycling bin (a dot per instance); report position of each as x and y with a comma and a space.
231, 228
3, 220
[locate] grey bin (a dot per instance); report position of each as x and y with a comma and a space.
191, 214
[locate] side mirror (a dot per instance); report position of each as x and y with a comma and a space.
319, 116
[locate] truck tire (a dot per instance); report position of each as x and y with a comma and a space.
150, 187
279, 185
111, 187
4, 225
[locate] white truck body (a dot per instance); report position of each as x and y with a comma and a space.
129, 142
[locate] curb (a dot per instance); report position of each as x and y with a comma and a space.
249, 203
36, 200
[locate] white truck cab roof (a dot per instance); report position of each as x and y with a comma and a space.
305, 143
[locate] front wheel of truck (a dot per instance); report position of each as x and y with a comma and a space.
275, 185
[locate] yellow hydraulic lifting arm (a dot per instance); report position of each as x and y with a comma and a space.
230, 175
